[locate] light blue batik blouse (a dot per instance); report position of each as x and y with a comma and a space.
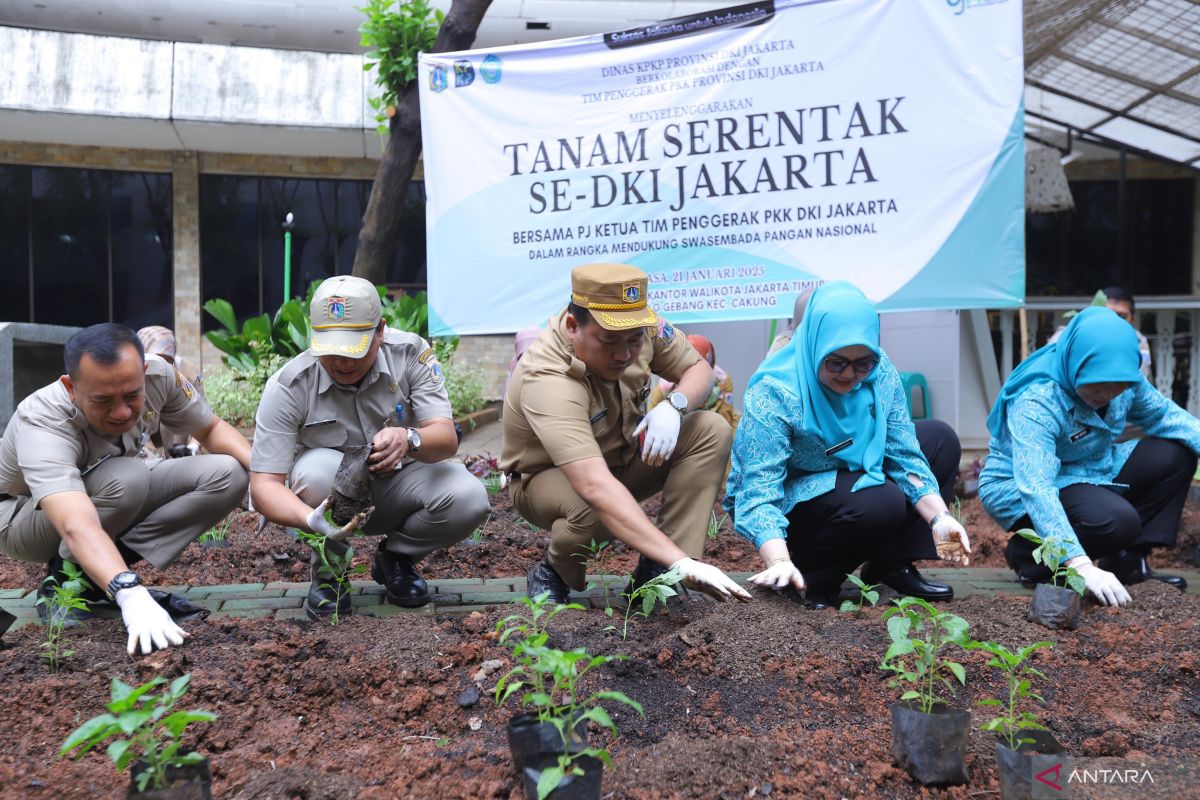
1051, 440
777, 466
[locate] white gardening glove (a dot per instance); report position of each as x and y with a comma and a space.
662, 432
779, 574
950, 539
317, 523
147, 621
708, 579
1103, 585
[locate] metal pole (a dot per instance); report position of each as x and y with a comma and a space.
288, 225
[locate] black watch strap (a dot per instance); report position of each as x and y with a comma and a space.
122, 580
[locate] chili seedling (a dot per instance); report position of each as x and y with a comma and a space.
1016, 670
146, 727
918, 629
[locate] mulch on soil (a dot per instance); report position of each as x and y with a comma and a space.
764, 699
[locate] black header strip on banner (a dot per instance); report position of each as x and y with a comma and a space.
731, 17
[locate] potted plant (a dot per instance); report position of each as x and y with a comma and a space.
1025, 746
148, 735
1055, 604
549, 746
928, 738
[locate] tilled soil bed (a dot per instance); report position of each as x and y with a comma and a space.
764, 699
506, 546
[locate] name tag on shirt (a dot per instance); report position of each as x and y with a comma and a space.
599, 415
1075, 437
839, 447
320, 424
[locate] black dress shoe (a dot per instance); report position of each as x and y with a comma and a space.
1020, 559
544, 578
646, 571
905, 579
326, 598
48, 611
1132, 567
396, 572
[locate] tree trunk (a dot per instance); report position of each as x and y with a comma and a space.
381, 221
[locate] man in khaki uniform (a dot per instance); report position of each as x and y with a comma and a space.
72, 487
361, 382
574, 410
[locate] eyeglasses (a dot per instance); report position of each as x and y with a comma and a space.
837, 365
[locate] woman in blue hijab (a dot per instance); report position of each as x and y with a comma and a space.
828, 471
1055, 464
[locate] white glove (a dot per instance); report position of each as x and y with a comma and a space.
708, 579
950, 539
318, 524
1103, 585
779, 574
147, 621
662, 432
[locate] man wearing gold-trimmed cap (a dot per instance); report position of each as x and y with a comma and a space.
359, 383
582, 451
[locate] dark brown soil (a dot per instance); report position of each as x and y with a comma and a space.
505, 545
763, 699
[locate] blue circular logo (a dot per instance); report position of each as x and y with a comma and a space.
489, 70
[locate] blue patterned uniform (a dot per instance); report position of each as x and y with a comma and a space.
1051, 440
777, 466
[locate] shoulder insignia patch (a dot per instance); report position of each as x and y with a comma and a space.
189, 391
665, 332
436, 369
426, 354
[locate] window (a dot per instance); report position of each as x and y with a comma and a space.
1143, 245
242, 237
81, 246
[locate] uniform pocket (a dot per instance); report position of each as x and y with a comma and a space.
323, 434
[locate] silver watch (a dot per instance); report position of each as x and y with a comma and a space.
414, 440
679, 402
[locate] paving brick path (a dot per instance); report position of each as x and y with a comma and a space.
460, 595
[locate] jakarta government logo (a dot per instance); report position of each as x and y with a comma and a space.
464, 73
960, 6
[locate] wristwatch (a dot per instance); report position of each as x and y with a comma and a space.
678, 401
122, 580
414, 440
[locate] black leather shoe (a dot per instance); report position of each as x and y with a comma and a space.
46, 609
323, 598
1132, 567
544, 578
1029, 572
905, 579
403, 584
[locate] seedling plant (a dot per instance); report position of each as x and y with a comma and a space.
220, 531
599, 556
1051, 553
479, 534
866, 594
66, 596
919, 630
641, 601
1016, 670
145, 727
548, 679
714, 524
338, 566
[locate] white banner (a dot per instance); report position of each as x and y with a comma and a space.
737, 156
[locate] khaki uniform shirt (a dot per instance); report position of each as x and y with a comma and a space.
49, 445
303, 408
556, 412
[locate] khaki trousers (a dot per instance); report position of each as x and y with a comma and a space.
156, 508
421, 508
689, 482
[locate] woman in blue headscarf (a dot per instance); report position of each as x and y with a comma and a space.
828, 471
1055, 465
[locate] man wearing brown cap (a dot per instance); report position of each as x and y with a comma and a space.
363, 383
574, 411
